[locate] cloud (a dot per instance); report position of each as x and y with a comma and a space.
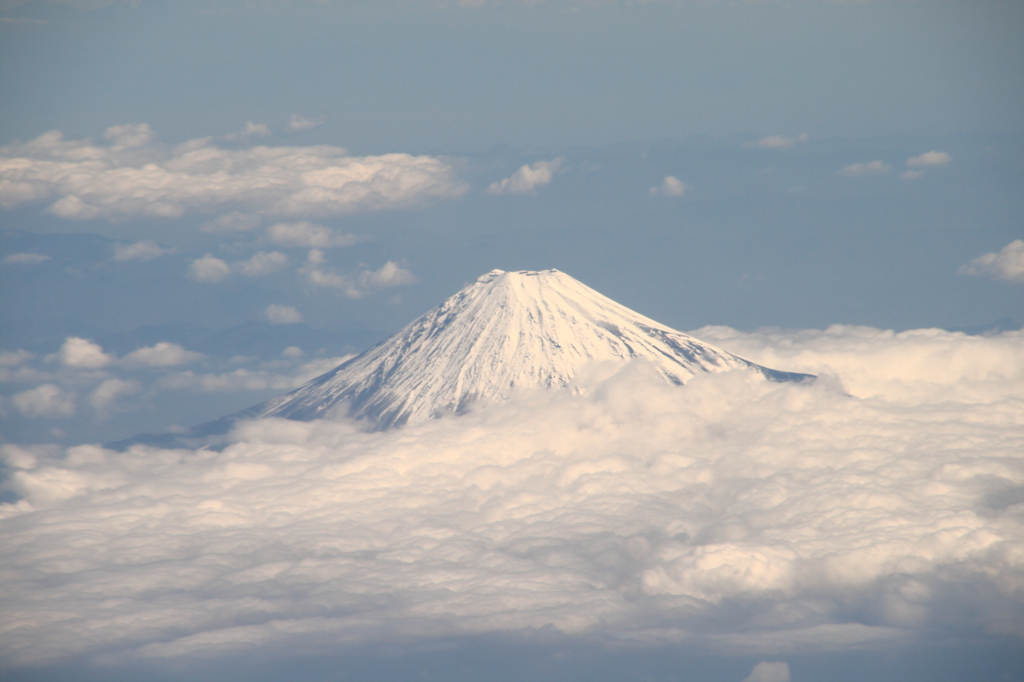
235, 221
282, 314
45, 400
83, 354
144, 250
767, 671
878, 507
671, 186
527, 178
162, 354
357, 285
298, 124
251, 130
911, 175
389, 275
9, 358
245, 379
130, 136
778, 141
309, 235
24, 259
135, 177
103, 396
262, 263
208, 269
1007, 264
876, 167
929, 160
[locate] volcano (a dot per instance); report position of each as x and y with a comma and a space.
505, 331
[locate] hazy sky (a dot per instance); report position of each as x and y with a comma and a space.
205, 204
829, 162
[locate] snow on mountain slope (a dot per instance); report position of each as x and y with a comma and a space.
505, 331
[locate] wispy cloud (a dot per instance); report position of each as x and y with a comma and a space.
779, 142
309, 235
250, 131
876, 167
142, 251
298, 124
25, 259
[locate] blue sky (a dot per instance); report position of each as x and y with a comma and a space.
625, 94
205, 204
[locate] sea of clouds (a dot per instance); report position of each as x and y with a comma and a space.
880, 505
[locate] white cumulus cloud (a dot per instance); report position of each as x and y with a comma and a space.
83, 354
136, 177
208, 269
282, 314
527, 178
671, 186
1007, 264
162, 354
877, 505
876, 167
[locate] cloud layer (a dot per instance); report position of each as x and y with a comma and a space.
133, 176
880, 503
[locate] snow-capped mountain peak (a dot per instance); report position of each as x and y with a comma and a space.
506, 330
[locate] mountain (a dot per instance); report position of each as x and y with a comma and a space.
506, 331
